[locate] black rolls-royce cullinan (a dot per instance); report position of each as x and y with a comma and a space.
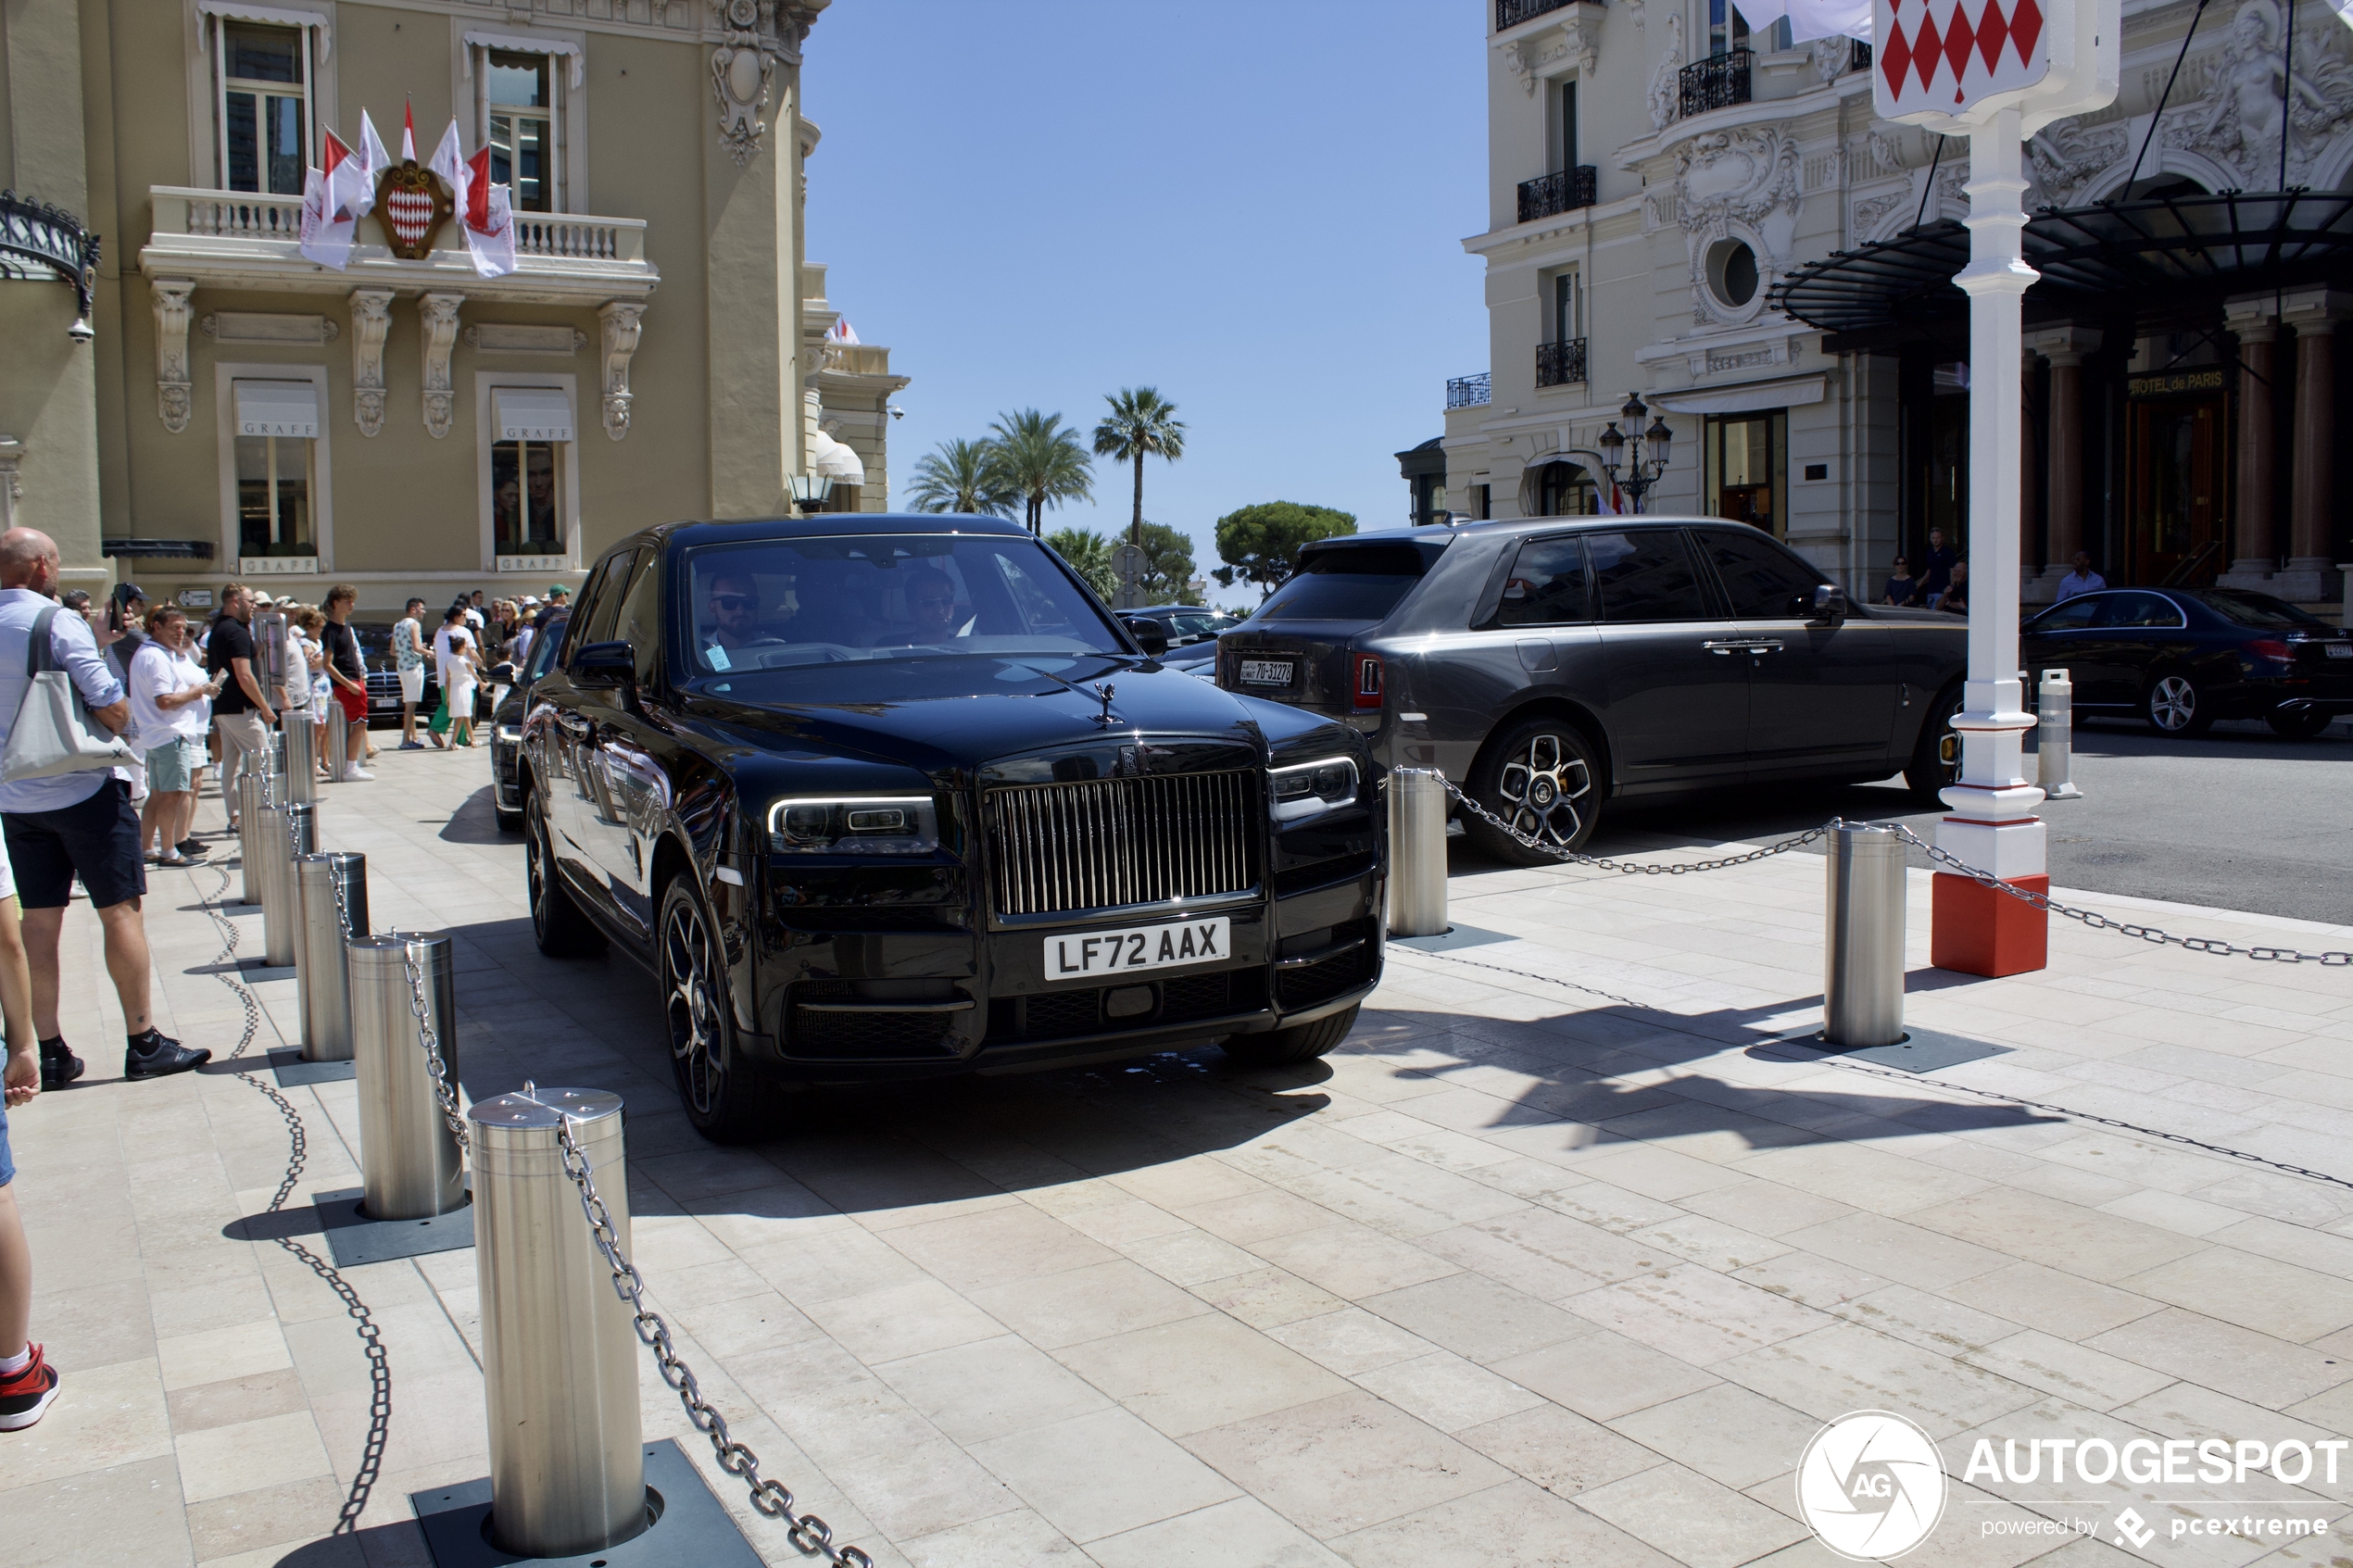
883, 797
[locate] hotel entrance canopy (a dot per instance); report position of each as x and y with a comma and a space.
2164, 261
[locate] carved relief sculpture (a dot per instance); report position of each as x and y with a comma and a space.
1744, 178
371, 319
622, 323
757, 33
172, 352
2239, 127
1870, 212
1831, 57
438, 315
1666, 84
2065, 156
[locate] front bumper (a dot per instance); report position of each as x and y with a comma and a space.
877, 1006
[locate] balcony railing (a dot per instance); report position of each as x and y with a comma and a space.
41, 241
1716, 82
1563, 192
1560, 364
234, 215
1470, 392
1511, 13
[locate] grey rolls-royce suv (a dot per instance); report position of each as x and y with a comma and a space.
1550, 665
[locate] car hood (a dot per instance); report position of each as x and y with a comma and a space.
940, 718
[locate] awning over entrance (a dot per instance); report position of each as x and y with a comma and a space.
2162, 260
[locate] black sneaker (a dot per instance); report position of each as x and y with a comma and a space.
26, 1392
58, 1065
196, 849
160, 1056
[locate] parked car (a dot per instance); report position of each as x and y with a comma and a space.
1551, 665
384, 674
2181, 657
1184, 625
883, 797
505, 725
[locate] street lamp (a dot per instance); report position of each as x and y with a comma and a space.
809, 490
1649, 450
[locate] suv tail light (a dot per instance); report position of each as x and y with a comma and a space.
2270, 647
1368, 680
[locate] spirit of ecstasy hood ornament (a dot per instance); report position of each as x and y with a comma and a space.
1102, 690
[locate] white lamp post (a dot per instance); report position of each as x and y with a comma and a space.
1996, 74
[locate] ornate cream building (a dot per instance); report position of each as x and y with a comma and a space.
1684, 211
190, 398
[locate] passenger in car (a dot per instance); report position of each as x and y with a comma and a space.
931, 610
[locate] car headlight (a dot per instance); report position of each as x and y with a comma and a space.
506, 734
876, 824
1310, 789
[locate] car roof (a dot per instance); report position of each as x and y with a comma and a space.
819, 525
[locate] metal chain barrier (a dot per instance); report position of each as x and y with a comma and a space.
2091, 918
807, 1531
1832, 1060
372, 1450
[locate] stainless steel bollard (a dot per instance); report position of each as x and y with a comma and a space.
1863, 937
298, 738
559, 1353
320, 983
2055, 736
408, 1155
1417, 852
274, 849
253, 792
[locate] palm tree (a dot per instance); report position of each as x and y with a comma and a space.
1040, 459
961, 476
1090, 556
1141, 423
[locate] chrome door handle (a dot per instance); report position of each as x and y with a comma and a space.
1725, 649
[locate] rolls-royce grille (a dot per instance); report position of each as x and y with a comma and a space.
1107, 842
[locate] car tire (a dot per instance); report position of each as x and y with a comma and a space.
2174, 706
723, 1096
558, 924
1544, 778
1302, 1042
2301, 725
1932, 771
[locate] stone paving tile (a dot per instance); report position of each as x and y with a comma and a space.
1523, 1273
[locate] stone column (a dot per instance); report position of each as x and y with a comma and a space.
2064, 348
2256, 501
2314, 314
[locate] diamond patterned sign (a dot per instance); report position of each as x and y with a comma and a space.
1946, 55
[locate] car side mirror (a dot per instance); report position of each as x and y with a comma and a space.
1149, 635
605, 664
1830, 606
503, 673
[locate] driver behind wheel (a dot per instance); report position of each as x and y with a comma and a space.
733, 605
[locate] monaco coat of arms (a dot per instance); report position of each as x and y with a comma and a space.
413, 204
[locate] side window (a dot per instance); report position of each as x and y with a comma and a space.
2138, 610
596, 603
638, 624
1547, 585
1760, 577
2074, 616
1647, 574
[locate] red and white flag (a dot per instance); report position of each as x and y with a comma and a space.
483, 211
327, 222
408, 132
843, 332
373, 159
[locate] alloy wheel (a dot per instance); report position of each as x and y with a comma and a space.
690, 976
2172, 703
1544, 790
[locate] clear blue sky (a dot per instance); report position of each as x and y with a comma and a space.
1256, 208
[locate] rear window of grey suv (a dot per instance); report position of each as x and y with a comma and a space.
1357, 584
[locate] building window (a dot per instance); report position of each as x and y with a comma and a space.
1568, 307
532, 427
1568, 125
262, 105
277, 434
1482, 502
519, 103
1727, 29
1747, 468
1560, 488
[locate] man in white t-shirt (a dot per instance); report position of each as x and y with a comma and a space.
170, 710
408, 659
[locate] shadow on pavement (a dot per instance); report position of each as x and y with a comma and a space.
475, 821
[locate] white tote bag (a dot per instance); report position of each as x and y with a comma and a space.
55, 733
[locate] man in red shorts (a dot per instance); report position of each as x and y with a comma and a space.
350, 673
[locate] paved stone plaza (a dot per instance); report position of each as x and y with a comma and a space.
1536, 1271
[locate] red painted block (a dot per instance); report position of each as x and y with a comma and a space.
1974, 928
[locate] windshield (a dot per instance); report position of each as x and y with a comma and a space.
2261, 610
1354, 583
774, 604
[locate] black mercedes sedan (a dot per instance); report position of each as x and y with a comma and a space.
2180, 658
1551, 665
883, 797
